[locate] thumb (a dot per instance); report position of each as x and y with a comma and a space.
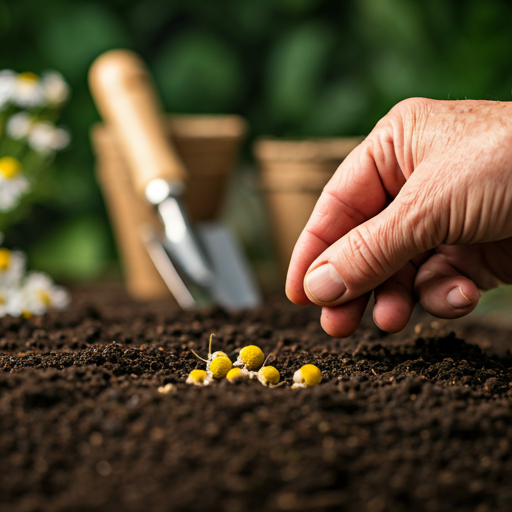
372, 252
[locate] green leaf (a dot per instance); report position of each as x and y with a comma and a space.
76, 250
71, 38
339, 109
198, 72
295, 69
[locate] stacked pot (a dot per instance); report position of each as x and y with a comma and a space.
293, 174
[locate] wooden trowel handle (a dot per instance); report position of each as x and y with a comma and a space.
126, 99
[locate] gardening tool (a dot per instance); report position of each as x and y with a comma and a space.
199, 268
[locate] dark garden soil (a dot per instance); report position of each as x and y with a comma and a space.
412, 422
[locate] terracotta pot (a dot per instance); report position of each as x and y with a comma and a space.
293, 174
208, 146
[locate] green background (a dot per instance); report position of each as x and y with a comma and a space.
291, 67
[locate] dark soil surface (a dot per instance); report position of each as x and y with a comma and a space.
420, 421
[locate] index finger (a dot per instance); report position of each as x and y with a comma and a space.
359, 189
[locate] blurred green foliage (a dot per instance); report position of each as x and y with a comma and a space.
291, 67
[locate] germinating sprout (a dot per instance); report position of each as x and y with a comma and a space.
218, 364
268, 376
197, 377
235, 375
220, 367
307, 376
250, 358
250, 364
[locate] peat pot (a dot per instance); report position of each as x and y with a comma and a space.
293, 174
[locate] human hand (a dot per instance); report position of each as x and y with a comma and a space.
420, 210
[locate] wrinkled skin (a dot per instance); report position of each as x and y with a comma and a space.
422, 207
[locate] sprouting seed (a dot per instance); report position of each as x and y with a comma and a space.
210, 355
220, 366
268, 376
250, 358
198, 378
235, 374
307, 376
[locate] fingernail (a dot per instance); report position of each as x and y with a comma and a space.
457, 299
325, 284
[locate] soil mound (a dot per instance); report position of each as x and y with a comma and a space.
413, 422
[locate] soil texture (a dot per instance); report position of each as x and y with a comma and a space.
420, 421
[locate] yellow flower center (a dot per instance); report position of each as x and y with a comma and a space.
28, 76
2, 299
5, 259
45, 298
9, 167
26, 314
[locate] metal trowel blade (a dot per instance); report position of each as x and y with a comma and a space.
165, 267
235, 285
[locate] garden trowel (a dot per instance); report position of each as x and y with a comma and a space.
199, 267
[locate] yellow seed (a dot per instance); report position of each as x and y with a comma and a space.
309, 375
9, 167
235, 374
197, 377
5, 258
268, 375
220, 367
252, 356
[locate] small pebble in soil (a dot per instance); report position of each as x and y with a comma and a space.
169, 387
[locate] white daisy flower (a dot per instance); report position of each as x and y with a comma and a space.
39, 293
55, 88
7, 87
12, 268
13, 185
19, 125
45, 137
28, 91
10, 302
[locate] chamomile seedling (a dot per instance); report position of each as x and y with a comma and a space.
197, 377
250, 358
220, 367
307, 377
235, 375
218, 364
268, 376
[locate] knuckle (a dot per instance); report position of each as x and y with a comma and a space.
365, 255
412, 106
423, 214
